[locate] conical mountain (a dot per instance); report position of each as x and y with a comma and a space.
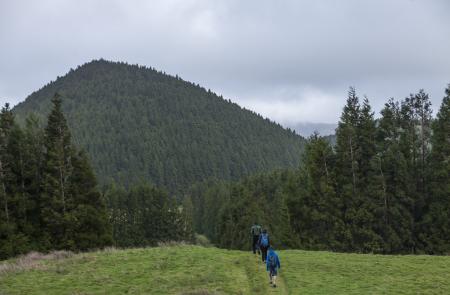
137, 123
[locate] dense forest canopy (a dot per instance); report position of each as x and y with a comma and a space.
379, 185
140, 124
384, 187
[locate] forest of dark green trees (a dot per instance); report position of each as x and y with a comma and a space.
50, 199
174, 159
145, 215
48, 190
138, 124
383, 188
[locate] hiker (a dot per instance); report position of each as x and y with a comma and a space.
264, 244
272, 266
255, 231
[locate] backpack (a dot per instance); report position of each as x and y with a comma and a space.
272, 261
264, 240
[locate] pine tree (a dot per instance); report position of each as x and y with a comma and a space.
423, 109
56, 200
367, 201
6, 124
33, 160
91, 228
435, 227
283, 237
415, 145
12, 241
17, 188
347, 165
322, 209
391, 181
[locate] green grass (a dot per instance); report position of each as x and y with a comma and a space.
334, 273
198, 270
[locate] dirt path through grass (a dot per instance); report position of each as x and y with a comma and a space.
263, 278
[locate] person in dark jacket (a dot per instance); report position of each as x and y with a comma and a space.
272, 266
264, 243
255, 231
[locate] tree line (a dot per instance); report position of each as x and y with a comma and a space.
383, 188
47, 189
50, 199
145, 215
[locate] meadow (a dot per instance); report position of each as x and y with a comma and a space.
186, 269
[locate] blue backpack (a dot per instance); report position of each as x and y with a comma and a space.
264, 240
272, 261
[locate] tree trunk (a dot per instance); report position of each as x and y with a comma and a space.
383, 183
61, 183
325, 164
352, 162
5, 197
61, 168
22, 180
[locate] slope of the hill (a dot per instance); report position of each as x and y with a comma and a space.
137, 123
197, 270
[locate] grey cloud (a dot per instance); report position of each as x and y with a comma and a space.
289, 60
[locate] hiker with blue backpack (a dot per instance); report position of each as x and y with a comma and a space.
272, 266
264, 243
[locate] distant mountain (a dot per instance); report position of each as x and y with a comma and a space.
140, 124
307, 128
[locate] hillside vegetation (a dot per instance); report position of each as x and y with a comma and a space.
197, 270
383, 188
137, 123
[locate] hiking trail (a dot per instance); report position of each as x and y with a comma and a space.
263, 277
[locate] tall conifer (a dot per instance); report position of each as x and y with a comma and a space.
346, 162
56, 200
91, 228
435, 227
391, 182
324, 223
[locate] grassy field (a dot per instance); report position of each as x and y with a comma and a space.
198, 270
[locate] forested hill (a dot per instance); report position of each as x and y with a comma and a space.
138, 123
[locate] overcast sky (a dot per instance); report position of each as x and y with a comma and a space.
291, 61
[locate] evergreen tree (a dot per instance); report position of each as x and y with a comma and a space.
415, 145
435, 227
320, 208
91, 228
33, 160
391, 182
56, 201
365, 231
20, 199
12, 241
355, 149
346, 162
6, 124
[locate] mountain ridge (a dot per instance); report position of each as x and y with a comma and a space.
137, 124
